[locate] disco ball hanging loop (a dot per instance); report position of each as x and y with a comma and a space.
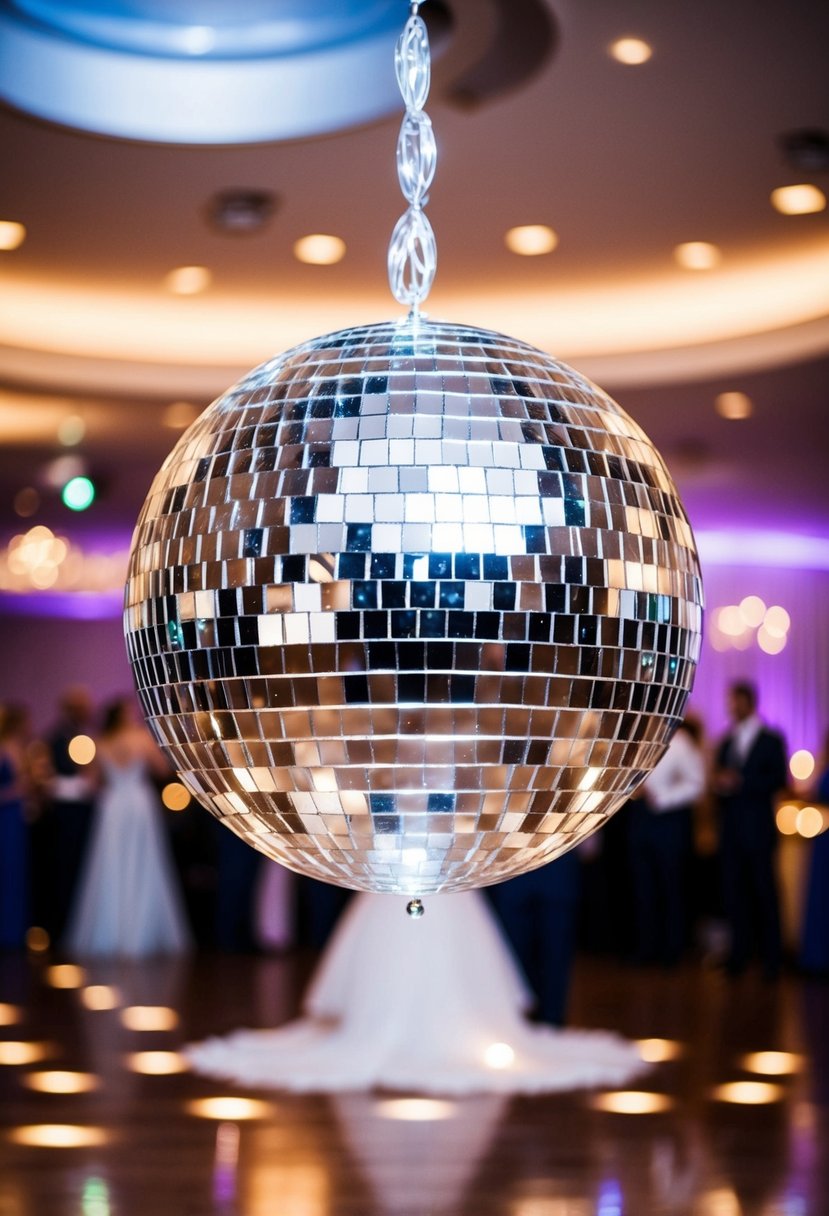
414, 606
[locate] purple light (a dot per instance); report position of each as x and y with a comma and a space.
74, 605
787, 550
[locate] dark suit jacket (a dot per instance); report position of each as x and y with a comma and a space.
747, 815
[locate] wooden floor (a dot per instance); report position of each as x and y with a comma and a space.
154, 1154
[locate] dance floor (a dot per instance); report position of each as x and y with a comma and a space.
96, 1118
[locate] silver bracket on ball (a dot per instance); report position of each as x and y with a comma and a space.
415, 908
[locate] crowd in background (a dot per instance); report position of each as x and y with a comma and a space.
92, 863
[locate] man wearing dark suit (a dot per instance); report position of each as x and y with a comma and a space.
750, 771
538, 912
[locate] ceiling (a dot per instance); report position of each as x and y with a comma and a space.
624, 162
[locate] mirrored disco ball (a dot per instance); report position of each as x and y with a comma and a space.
414, 606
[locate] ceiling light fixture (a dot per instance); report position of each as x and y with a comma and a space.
319, 249
697, 255
630, 51
531, 240
12, 235
801, 199
733, 405
188, 280
242, 212
493, 626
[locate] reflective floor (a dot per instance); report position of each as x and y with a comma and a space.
97, 1117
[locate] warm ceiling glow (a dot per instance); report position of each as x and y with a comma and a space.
61, 1082
37, 939
157, 1063
234, 1109
100, 996
149, 1017
14, 1052
659, 1051
631, 1102
697, 255
188, 280
9, 1014
175, 796
734, 406
319, 249
786, 818
64, 975
747, 1093
12, 234
530, 240
803, 199
802, 765
58, 1135
499, 1055
81, 749
810, 822
415, 1110
630, 51
179, 414
772, 1063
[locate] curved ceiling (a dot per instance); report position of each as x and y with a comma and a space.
623, 162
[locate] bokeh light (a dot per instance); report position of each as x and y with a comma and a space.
149, 1017
59, 1081
415, 1110
810, 822
58, 1135
100, 996
631, 1102
499, 1055
772, 1063
229, 1108
65, 975
786, 818
659, 1051
802, 764
175, 796
752, 610
747, 1093
81, 749
15, 1052
157, 1063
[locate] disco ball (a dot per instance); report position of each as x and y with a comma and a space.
413, 607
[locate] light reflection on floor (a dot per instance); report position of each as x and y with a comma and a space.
714, 1130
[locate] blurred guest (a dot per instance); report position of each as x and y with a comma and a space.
128, 901
661, 841
750, 770
275, 907
814, 954
67, 816
238, 867
538, 913
14, 842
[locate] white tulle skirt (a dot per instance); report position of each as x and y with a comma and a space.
431, 1006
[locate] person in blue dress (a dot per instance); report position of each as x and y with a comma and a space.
14, 830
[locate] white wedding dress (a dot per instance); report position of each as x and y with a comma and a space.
128, 902
432, 1006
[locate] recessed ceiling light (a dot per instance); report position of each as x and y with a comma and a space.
319, 249
188, 280
697, 255
733, 405
530, 240
630, 51
157, 1063
772, 1063
71, 430
803, 199
179, 414
12, 234
64, 975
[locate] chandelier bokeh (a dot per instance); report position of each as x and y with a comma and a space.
414, 606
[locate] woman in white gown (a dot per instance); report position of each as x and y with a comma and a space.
434, 1005
128, 903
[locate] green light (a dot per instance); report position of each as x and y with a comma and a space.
78, 494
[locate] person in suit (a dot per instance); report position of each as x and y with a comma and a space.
750, 771
661, 844
538, 914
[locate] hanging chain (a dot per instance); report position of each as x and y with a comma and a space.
412, 249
